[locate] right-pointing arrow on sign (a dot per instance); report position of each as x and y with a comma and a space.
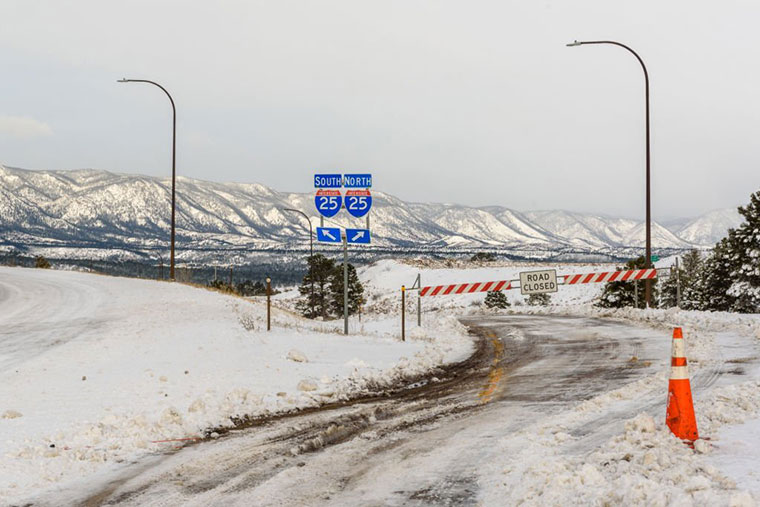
358, 236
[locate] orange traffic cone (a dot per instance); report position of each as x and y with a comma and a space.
680, 415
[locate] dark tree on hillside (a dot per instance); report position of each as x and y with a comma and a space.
250, 288
322, 269
483, 257
41, 262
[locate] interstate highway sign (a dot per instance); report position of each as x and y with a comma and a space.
328, 234
538, 282
328, 181
357, 180
357, 236
358, 202
328, 202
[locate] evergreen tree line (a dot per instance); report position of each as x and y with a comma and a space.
727, 279
245, 288
326, 300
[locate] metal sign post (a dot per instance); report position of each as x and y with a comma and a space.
678, 285
416, 286
403, 313
345, 285
636, 294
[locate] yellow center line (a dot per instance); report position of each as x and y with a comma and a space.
494, 376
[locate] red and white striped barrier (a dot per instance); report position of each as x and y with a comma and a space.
611, 276
464, 288
608, 276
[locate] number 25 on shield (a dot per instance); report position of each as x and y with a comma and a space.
328, 202
358, 202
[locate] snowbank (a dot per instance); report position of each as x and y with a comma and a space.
99, 371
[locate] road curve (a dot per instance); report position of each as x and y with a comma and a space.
424, 445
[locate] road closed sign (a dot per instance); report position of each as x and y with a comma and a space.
538, 282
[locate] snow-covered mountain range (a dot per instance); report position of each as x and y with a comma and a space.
90, 208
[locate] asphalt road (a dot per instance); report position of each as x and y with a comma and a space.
424, 444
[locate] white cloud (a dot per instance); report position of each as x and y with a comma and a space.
23, 127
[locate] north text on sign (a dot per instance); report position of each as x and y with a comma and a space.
357, 180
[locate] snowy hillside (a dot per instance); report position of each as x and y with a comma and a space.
709, 228
98, 209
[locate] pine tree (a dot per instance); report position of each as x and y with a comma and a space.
687, 278
322, 269
496, 299
693, 268
745, 286
622, 294
355, 290
669, 289
716, 279
538, 299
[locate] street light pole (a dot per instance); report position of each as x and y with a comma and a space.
174, 153
648, 260
311, 254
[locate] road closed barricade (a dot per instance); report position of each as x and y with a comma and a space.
530, 282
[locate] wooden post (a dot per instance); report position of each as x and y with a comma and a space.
269, 304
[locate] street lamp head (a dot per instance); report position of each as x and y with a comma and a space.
123, 80
574, 43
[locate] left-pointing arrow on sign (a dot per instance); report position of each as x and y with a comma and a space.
328, 234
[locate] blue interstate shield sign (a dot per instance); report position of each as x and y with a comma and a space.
328, 202
358, 202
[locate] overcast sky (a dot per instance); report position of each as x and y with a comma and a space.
471, 102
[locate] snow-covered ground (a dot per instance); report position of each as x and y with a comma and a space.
99, 371
135, 340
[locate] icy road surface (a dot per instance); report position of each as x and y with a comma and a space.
478, 435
